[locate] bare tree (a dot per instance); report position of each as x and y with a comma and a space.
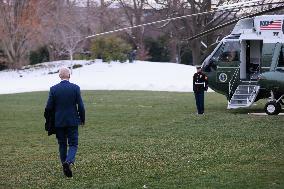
18, 28
134, 15
182, 29
64, 28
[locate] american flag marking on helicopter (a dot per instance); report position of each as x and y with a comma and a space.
271, 25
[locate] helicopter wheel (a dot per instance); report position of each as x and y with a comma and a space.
272, 108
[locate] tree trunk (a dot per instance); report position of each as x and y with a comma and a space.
179, 52
173, 50
71, 55
142, 53
51, 53
196, 52
102, 16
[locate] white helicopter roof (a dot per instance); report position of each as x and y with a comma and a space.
269, 28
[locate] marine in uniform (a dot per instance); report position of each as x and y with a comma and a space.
200, 84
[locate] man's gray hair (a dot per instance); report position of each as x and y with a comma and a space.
64, 73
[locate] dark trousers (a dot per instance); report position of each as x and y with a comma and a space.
199, 99
70, 135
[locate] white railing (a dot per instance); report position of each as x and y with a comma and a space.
232, 82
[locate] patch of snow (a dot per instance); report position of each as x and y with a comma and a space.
96, 75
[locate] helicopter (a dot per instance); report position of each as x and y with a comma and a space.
248, 64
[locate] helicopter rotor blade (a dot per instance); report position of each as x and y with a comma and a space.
177, 18
233, 22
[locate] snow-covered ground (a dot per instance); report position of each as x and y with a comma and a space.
96, 75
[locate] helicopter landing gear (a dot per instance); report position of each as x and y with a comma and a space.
273, 107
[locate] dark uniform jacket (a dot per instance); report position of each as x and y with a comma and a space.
200, 82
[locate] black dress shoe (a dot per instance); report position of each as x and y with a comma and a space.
66, 169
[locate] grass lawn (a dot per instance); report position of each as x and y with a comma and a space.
143, 140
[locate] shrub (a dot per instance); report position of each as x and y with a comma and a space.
39, 55
82, 57
77, 66
110, 48
186, 55
158, 49
3, 67
53, 72
3, 61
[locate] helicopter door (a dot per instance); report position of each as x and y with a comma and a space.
250, 56
243, 69
280, 66
254, 59
277, 63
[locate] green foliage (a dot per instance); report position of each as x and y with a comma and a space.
132, 139
39, 55
82, 57
110, 49
158, 49
3, 60
77, 66
186, 55
3, 67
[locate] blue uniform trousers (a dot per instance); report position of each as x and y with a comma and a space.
199, 99
70, 135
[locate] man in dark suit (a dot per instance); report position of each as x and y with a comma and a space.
65, 99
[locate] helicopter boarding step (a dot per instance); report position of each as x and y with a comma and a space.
244, 96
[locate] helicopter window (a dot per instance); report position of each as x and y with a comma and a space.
226, 52
281, 58
229, 52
